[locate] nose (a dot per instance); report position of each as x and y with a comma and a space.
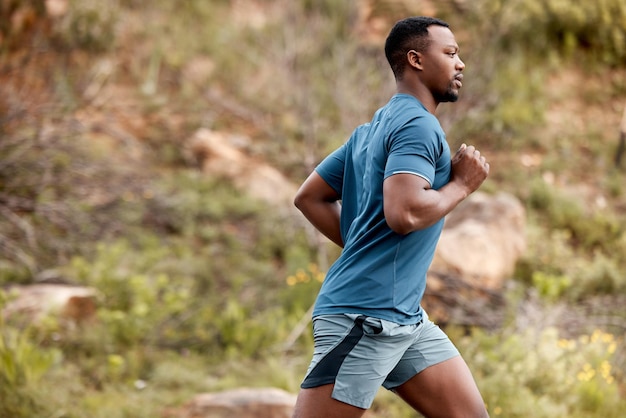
460, 65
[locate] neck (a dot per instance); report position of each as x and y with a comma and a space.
420, 92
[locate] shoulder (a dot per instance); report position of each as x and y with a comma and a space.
407, 111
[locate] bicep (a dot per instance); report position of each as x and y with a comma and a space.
403, 194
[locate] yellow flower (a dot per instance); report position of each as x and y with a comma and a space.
611, 348
587, 373
302, 276
605, 369
566, 344
596, 335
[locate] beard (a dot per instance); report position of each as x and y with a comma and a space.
450, 95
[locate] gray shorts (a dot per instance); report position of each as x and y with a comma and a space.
359, 354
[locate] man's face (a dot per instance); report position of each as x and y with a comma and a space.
442, 65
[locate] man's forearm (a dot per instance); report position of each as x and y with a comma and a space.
325, 217
319, 203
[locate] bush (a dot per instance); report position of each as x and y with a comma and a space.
224, 317
567, 27
89, 25
540, 374
22, 364
571, 251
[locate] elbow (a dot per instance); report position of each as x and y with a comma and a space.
301, 200
405, 223
401, 225
298, 201
399, 218
399, 230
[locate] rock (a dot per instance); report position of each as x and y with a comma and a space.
56, 8
73, 303
482, 240
480, 245
217, 155
241, 403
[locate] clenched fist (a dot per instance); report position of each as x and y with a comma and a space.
469, 168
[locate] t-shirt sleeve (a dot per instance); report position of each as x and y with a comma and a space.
414, 149
331, 169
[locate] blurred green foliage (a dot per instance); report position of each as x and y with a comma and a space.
23, 362
203, 288
560, 28
538, 373
89, 25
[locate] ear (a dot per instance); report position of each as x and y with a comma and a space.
414, 59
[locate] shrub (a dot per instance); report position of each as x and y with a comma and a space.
564, 26
22, 365
540, 374
89, 25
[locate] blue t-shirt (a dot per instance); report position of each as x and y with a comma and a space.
381, 273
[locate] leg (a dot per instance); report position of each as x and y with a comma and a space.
444, 390
353, 355
317, 403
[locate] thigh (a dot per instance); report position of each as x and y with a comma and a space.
353, 356
430, 346
318, 403
434, 379
444, 390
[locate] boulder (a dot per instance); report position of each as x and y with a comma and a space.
482, 240
241, 403
73, 303
217, 155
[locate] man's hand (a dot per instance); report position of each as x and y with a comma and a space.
469, 168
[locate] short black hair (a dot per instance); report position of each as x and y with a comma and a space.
407, 34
